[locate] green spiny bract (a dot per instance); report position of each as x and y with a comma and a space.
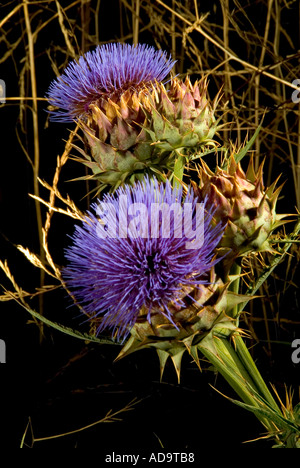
181, 117
210, 306
242, 201
142, 132
118, 150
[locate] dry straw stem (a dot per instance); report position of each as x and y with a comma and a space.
108, 418
30, 64
36, 162
61, 161
258, 76
19, 296
228, 53
71, 211
135, 20
64, 30
40, 262
19, 291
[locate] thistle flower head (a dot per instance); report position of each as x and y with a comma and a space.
141, 248
107, 71
241, 199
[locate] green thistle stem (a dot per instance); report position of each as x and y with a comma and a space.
235, 286
239, 370
178, 167
248, 363
236, 365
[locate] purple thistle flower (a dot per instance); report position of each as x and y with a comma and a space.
140, 250
107, 72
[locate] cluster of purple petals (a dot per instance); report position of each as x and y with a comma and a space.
108, 70
114, 276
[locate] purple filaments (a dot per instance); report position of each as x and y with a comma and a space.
105, 72
129, 255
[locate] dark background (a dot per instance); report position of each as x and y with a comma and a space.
60, 383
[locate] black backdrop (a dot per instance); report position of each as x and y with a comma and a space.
61, 383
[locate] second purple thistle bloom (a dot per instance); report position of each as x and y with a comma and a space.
115, 277
107, 71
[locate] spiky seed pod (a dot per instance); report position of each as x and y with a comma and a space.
204, 306
141, 132
182, 116
119, 149
241, 199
